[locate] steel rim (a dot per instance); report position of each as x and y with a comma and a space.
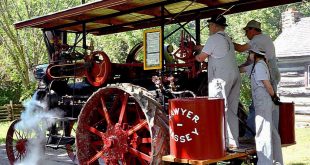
113, 128
16, 141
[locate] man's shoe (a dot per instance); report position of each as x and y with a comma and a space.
233, 149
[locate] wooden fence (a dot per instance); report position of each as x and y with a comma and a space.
10, 112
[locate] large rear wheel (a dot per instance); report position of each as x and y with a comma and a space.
121, 125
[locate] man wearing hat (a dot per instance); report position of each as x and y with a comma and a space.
268, 142
258, 39
223, 74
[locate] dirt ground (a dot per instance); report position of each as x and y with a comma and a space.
302, 121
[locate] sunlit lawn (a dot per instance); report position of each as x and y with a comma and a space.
298, 154
4, 126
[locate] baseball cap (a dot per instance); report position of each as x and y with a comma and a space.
252, 24
218, 19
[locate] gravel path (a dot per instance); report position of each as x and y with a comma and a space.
52, 157
60, 157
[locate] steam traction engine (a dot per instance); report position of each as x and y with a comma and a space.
117, 113
119, 107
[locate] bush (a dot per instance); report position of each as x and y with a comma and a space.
9, 91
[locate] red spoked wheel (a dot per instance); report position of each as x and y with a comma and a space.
100, 69
16, 142
113, 128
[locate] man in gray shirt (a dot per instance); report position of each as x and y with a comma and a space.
262, 41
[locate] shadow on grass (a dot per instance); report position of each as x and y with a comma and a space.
297, 164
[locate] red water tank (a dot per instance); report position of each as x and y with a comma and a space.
196, 127
287, 123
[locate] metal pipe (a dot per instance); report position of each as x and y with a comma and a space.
197, 28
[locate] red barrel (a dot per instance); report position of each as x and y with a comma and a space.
287, 123
196, 127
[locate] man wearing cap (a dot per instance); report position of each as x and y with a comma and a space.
258, 39
268, 142
223, 74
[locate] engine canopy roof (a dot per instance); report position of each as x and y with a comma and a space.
113, 16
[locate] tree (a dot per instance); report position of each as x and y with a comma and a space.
22, 49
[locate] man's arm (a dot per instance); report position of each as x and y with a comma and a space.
198, 47
241, 48
248, 61
201, 57
242, 69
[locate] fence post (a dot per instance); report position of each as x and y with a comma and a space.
12, 110
8, 109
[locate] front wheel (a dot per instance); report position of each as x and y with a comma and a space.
16, 143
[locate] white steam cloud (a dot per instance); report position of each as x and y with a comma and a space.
35, 121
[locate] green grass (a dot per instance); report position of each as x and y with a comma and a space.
293, 155
4, 126
298, 154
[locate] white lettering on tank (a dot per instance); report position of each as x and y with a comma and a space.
183, 136
179, 125
182, 139
189, 113
176, 138
195, 131
188, 138
183, 111
176, 111
196, 118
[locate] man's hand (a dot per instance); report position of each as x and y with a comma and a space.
198, 48
276, 99
241, 48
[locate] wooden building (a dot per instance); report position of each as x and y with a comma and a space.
293, 53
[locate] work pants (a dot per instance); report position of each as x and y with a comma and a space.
268, 142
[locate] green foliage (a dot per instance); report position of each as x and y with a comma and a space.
118, 45
9, 89
24, 48
9, 92
27, 93
245, 90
